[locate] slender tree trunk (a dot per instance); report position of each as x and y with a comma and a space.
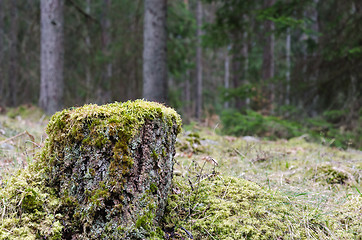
245, 54
268, 58
314, 78
13, 76
187, 97
287, 74
105, 88
199, 61
227, 75
88, 72
237, 69
2, 52
155, 86
52, 55
240, 64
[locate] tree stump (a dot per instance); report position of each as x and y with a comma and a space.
111, 166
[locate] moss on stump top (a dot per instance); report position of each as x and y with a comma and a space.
126, 118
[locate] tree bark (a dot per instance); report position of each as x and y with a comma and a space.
88, 72
2, 51
13, 76
155, 86
226, 75
104, 93
52, 55
199, 61
268, 58
287, 74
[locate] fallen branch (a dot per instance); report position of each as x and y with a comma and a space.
19, 135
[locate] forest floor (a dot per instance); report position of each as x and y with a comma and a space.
313, 174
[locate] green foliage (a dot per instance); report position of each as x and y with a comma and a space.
253, 123
243, 92
318, 129
334, 116
181, 45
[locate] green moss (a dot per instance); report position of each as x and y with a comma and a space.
230, 208
153, 188
29, 210
329, 174
154, 154
349, 216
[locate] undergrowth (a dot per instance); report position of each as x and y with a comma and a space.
320, 129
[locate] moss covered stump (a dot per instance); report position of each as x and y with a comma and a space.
111, 166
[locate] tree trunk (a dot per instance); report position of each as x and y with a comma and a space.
227, 75
2, 52
268, 59
187, 97
104, 94
239, 67
52, 55
88, 72
315, 27
245, 54
287, 74
13, 76
155, 86
199, 61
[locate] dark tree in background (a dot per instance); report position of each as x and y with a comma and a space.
2, 92
155, 85
199, 61
104, 92
52, 55
268, 69
13, 76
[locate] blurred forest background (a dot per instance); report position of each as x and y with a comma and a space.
272, 68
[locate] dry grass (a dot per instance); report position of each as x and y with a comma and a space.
328, 180
21, 136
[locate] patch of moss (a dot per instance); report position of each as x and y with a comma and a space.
191, 143
331, 174
349, 216
29, 210
230, 208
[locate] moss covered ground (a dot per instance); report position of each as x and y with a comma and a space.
249, 188
224, 187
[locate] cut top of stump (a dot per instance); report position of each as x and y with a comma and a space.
111, 166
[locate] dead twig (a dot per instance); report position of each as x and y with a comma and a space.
19, 135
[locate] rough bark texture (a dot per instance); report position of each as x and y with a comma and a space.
104, 92
154, 51
288, 63
199, 61
268, 59
112, 168
52, 55
13, 76
2, 51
